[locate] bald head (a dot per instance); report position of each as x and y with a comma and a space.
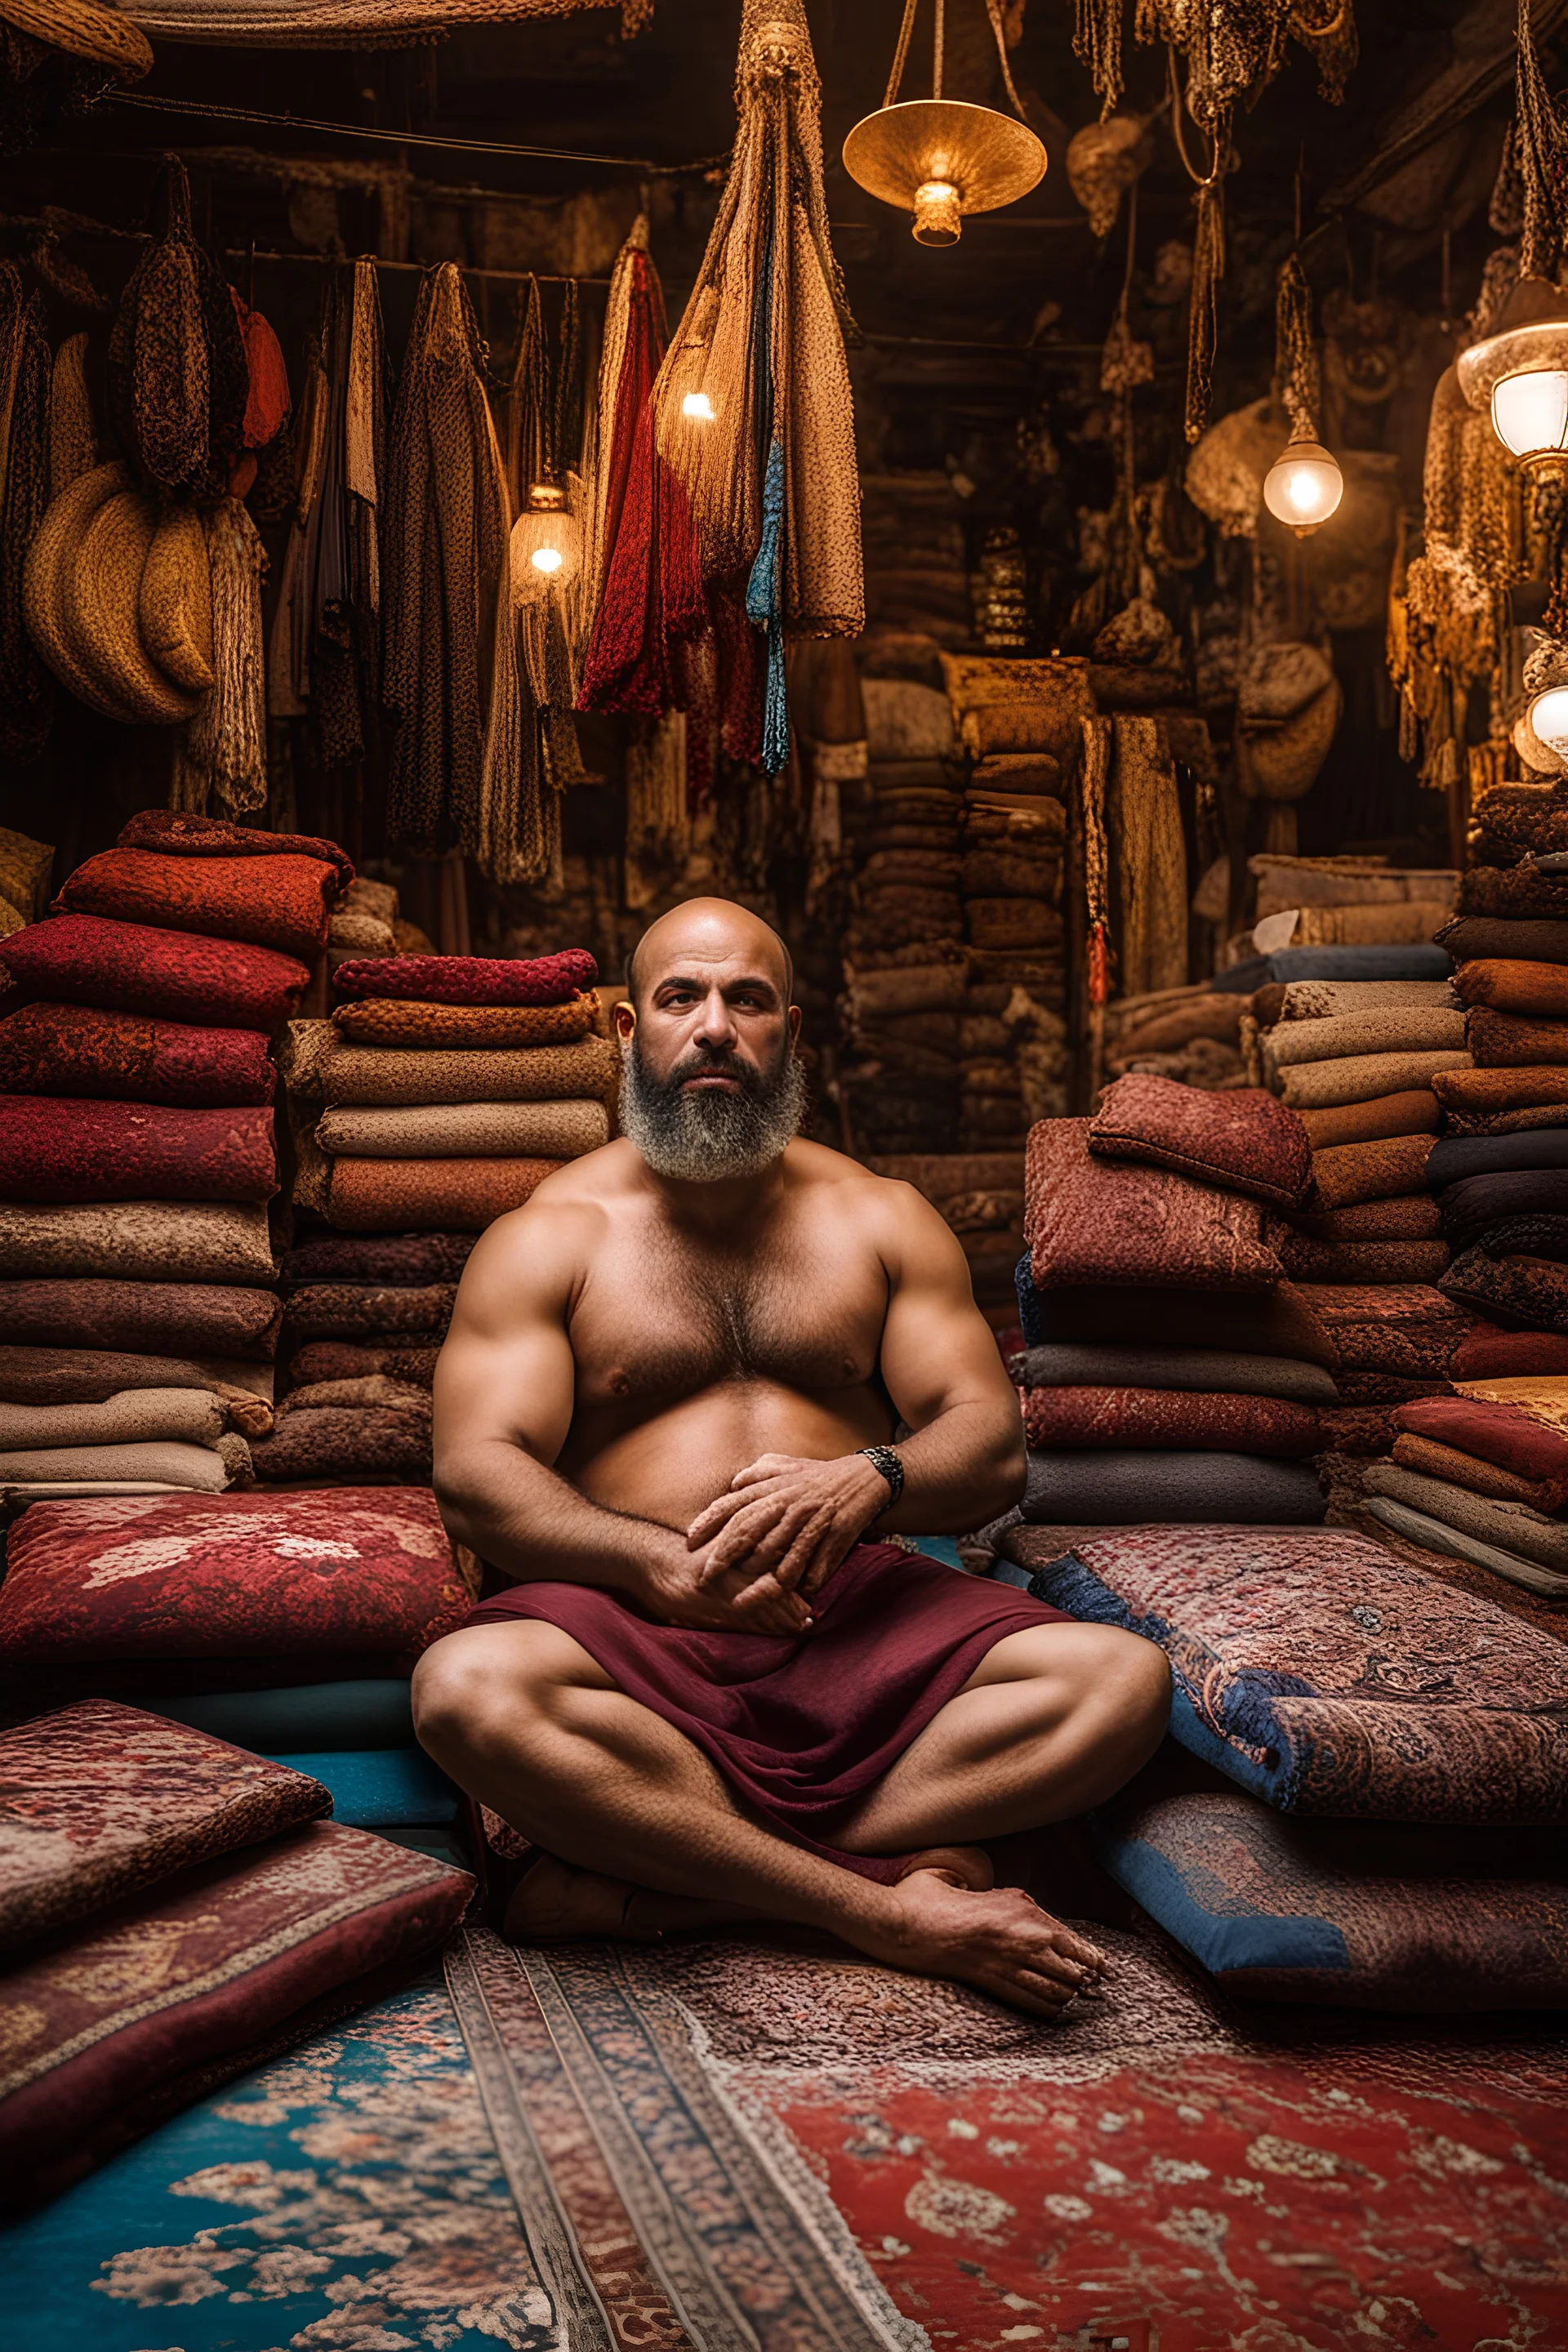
703, 935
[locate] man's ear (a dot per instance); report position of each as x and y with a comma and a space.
625, 1017
794, 1024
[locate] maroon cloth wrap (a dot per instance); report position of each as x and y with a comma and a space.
471, 980
81, 1050
137, 967
54, 1148
802, 1729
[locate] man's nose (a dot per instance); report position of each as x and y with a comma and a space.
716, 1025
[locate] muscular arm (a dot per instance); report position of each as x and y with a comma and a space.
504, 1392
794, 1520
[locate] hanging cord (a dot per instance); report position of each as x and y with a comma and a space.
900, 55
938, 43
1208, 259
1179, 106
994, 10
1295, 351
1097, 43
906, 32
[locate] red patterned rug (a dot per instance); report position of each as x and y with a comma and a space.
752, 2146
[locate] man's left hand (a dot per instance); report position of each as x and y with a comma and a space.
789, 1519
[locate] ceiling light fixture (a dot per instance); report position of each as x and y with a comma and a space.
1520, 372
938, 158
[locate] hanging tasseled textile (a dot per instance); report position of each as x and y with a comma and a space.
179, 380
444, 552
27, 689
223, 750
598, 451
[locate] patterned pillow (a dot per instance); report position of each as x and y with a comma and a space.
1104, 1221
105, 2032
1244, 1141
312, 1575
99, 1801
1326, 1675
1376, 1913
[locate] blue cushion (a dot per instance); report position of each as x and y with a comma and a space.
315, 1715
378, 1788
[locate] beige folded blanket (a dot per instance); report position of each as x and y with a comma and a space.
362, 1389
133, 1417
207, 1470
1389, 1029
138, 1241
1329, 1000
481, 1131
1361, 1077
390, 1075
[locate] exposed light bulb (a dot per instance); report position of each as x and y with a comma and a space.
939, 213
1549, 719
547, 559
1530, 413
696, 403
1303, 487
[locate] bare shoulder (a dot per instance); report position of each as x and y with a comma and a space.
899, 1221
542, 1251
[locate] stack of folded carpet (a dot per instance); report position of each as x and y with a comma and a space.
173, 1910
1317, 902
1171, 1372
440, 1094
137, 1158
981, 1196
1192, 1033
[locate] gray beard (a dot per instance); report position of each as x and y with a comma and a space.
703, 1138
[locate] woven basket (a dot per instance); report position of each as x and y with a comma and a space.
51, 553
100, 591
75, 25
175, 604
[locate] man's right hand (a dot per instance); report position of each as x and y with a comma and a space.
668, 1585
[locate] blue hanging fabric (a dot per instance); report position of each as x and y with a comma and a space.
763, 607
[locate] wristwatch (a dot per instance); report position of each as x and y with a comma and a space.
887, 1459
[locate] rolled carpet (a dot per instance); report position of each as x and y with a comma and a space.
479, 1130
1391, 1029
1416, 1112
1438, 1535
1176, 1419
131, 1417
1277, 1322
51, 1376
1307, 1260
1409, 1217
558, 979
1534, 991
323, 1362
1511, 1526
1532, 1291
1349, 1173
278, 902
1361, 1077
336, 1442
171, 975
1501, 1041
401, 1259
1471, 939
161, 1319
62, 1151
1532, 1443
1099, 1488
139, 1241
1210, 1370
396, 1075
80, 1049
1491, 1091
351, 1310
205, 1469
389, 1196
441, 1028
1430, 1458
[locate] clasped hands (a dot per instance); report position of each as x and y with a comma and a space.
761, 1549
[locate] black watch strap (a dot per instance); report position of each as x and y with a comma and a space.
887, 1459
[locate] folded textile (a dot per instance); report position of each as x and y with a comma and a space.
401, 1259
352, 1310
278, 902
1472, 939
78, 1049
543, 1131
1360, 1387
104, 1800
440, 1028
1063, 1418
1211, 1369
1503, 1090
558, 979
366, 1389
1309, 1260
163, 1319
1507, 1122
1357, 1428
87, 960
1455, 1157
1537, 1235
1105, 1489
108, 2040
1416, 1112
1525, 1431
1526, 1290
1363, 1077
204, 1470
184, 834
1488, 1198
1511, 1528
1424, 1527
1511, 821
1519, 893
1104, 1221
1333, 1000
1391, 1029
345, 1441
1409, 1217
373, 1074
1242, 1140
1488, 1353
323, 1362
1349, 1173
1431, 1458
1407, 1329
390, 1196
1276, 1322
54, 1149
1505, 1041
1328, 1677
1512, 984
77, 1376
129, 1417
139, 1241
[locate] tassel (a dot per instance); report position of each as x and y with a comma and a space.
225, 746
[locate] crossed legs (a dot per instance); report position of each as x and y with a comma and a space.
1054, 1719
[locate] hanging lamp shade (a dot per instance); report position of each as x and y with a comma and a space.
1521, 373
1304, 484
938, 158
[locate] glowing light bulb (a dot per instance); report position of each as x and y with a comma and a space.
547, 559
1549, 719
939, 213
1530, 413
1303, 487
696, 403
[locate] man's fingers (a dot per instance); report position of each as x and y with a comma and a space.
708, 1521
767, 1465
1079, 1949
763, 1533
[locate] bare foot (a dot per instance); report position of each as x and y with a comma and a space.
553, 1903
995, 1939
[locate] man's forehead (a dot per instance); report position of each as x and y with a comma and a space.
728, 965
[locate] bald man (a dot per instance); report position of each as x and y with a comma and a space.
719, 1684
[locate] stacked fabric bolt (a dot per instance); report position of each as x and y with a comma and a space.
442, 1091
981, 1196
137, 1157
1192, 1033
1317, 902
1171, 1372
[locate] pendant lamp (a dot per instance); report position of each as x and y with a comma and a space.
938, 158
1304, 484
1520, 372
546, 544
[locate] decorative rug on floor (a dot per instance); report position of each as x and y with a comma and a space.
344, 2198
749, 2145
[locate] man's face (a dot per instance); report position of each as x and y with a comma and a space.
712, 1088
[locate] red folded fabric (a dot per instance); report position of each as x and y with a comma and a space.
211, 837
1089, 1221
273, 902
1503, 1433
471, 980
173, 975
394, 1196
52, 1150
77, 1049
1179, 1418
1488, 1354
